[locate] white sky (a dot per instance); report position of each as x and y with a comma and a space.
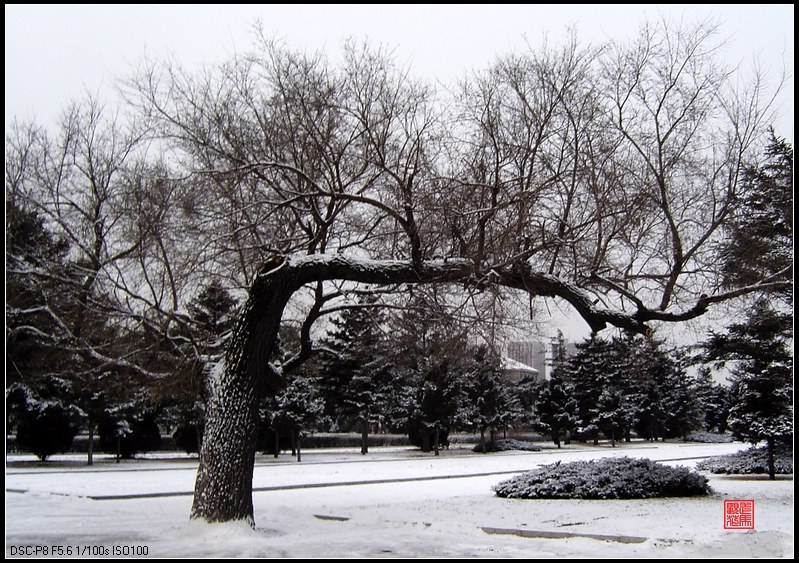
57, 53
54, 54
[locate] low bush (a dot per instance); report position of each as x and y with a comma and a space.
48, 428
709, 438
423, 435
128, 433
751, 461
606, 478
188, 437
507, 445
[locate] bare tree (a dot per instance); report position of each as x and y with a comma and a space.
105, 308
688, 128
78, 182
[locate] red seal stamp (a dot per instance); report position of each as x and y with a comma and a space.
739, 514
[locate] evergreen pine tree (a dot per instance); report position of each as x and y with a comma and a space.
356, 370
760, 244
432, 358
491, 403
762, 407
586, 373
212, 314
556, 408
43, 427
36, 263
298, 409
713, 401
666, 406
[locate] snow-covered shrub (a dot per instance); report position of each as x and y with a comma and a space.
751, 461
507, 445
46, 428
606, 478
709, 438
128, 431
423, 435
188, 437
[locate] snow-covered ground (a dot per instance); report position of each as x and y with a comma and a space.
395, 502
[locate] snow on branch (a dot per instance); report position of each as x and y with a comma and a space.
520, 275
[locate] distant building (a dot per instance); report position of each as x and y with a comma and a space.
538, 355
569, 349
516, 371
532, 354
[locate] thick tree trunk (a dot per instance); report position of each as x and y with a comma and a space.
223, 489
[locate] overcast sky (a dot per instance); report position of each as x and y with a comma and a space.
58, 53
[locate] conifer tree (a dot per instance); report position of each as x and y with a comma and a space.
762, 407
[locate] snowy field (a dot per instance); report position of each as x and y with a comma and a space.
394, 502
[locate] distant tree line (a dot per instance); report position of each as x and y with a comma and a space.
415, 372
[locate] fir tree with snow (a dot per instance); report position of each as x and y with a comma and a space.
43, 427
586, 372
440, 406
662, 391
130, 428
355, 367
491, 406
613, 414
298, 409
760, 234
713, 401
432, 357
212, 311
627, 383
36, 263
680, 405
364, 367
760, 351
183, 396
555, 408
760, 246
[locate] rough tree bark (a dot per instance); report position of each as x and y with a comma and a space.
223, 489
